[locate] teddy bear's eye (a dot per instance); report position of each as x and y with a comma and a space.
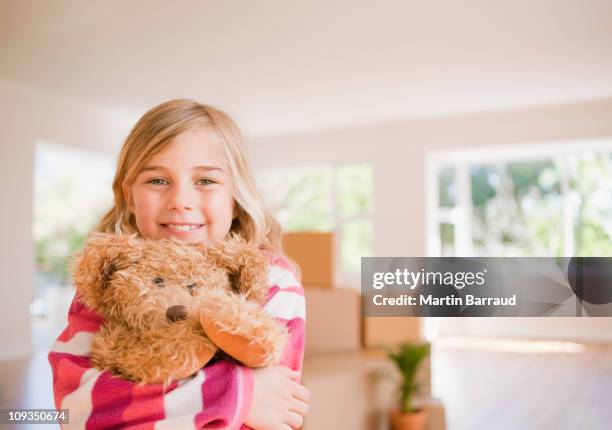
191, 288
159, 282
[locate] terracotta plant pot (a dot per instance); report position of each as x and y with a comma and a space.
411, 421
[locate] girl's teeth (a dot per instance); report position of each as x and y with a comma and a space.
183, 227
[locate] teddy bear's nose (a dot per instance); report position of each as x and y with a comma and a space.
176, 313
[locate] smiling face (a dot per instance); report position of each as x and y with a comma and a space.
184, 192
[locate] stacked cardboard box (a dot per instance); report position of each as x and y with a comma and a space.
333, 320
353, 391
334, 307
314, 254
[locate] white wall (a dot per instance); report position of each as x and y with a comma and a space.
397, 153
16, 248
27, 116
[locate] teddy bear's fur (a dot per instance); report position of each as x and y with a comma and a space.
167, 306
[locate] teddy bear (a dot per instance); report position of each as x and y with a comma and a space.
169, 307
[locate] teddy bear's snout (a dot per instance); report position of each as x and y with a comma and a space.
176, 313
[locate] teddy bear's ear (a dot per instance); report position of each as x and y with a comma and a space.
94, 265
246, 265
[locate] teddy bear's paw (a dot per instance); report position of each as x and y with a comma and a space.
247, 333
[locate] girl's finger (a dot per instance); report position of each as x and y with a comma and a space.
302, 393
299, 406
294, 420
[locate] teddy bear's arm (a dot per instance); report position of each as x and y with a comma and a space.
242, 329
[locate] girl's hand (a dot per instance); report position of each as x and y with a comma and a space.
280, 402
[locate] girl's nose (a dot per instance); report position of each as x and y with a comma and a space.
181, 198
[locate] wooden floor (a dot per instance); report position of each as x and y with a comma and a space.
26, 384
484, 385
523, 384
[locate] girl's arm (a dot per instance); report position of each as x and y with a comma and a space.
219, 395
285, 302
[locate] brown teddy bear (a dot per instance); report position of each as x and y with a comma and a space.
168, 307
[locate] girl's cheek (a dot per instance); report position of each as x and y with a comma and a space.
223, 202
151, 197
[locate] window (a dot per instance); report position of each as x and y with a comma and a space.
325, 198
545, 200
72, 188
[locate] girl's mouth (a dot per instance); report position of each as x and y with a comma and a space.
182, 228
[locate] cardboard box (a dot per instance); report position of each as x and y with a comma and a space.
354, 391
348, 391
333, 320
314, 254
390, 331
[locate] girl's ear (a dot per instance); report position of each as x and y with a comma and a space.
94, 266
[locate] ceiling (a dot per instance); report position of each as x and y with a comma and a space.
290, 66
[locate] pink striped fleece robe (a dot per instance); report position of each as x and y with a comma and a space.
218, 396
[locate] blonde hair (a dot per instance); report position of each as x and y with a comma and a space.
155, 130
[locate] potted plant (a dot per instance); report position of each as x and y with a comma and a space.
408, 358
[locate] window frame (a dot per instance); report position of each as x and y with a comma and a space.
460, 159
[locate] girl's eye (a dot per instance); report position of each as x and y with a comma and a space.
157, 181
205, 181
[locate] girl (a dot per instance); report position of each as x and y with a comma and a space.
182, 175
